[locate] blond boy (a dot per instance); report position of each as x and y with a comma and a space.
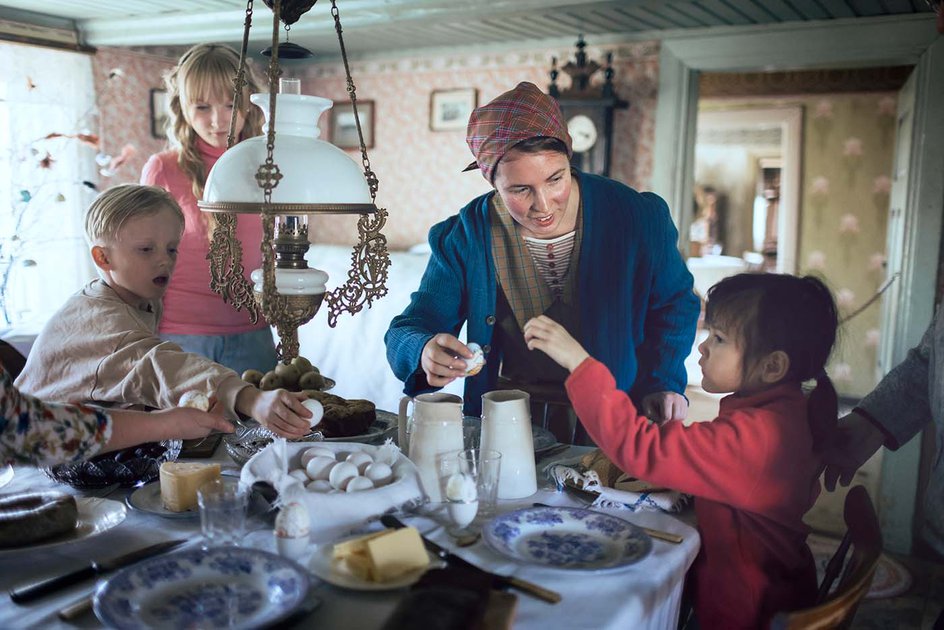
101, 345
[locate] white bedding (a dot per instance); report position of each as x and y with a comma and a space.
353, 353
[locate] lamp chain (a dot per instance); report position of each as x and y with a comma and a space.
372, 181
227, 274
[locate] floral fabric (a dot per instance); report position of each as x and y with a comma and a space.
44, 434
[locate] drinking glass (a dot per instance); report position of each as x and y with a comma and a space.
485, 467
223, 505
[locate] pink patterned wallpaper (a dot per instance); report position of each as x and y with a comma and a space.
419, 170
123, 82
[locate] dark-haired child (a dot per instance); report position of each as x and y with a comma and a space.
754, 470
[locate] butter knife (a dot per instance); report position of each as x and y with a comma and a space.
501, 581
30, 592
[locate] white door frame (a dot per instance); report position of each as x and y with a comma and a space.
910, 40
790, 122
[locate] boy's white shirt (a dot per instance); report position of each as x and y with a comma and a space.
99, 349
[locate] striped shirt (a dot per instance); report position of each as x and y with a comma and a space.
552, 259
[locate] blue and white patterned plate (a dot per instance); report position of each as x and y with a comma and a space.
221, 587
567, 538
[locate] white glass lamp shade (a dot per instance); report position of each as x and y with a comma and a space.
294, 281
314, 171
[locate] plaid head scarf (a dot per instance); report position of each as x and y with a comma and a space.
519, 114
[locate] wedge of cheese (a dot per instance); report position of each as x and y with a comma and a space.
383, 556
180, 481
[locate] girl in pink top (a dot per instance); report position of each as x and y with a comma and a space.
201, 106
754, 470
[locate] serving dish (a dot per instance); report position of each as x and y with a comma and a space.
323, 565
222, 587
94, 517
245, 443
567, 538
128, 467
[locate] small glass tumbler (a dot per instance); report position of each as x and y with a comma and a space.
223, 505
485, 467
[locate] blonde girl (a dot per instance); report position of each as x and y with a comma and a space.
201, 105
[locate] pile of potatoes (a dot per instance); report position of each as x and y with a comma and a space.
296, 376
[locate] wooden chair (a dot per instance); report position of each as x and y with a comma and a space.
865, 538
11, 359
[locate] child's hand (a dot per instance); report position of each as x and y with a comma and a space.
278, 410
543, 333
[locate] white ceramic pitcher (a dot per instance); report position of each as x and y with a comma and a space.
435, 428
506, 428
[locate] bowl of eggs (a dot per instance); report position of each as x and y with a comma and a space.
342, 484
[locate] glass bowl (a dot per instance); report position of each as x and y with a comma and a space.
132, 466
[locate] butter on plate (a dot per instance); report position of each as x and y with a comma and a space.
383, 556
180, 481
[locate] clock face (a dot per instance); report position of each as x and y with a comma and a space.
583, 132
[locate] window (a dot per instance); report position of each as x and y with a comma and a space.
48, 133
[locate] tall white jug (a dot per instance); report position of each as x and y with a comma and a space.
506, 428
434, 429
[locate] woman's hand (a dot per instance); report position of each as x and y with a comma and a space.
856, 441
278, 410
543, 333
443, 359
189, 423
662, 406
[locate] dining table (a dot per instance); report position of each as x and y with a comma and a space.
645, 594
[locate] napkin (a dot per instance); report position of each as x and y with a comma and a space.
570, 472
332, 515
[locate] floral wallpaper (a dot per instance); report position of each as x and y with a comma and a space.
848, 156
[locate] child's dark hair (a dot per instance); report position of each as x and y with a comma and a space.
796, 315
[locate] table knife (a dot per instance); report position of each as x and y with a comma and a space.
502, 581
30, 592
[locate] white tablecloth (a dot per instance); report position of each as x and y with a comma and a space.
644, 595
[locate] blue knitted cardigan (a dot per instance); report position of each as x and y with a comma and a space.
637, 308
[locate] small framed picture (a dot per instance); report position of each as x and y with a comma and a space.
449, 110
160, 113
344, 127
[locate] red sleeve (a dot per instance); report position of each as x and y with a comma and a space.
720, 460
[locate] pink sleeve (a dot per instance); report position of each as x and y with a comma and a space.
720, 460
153, 173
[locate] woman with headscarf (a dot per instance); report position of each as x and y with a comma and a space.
590, 252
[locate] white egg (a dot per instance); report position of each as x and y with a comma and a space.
341, 474
311, 453
318, 485
194, 399
299, 474
360, 459
320, 467
316, 409
379, 473
359, 483
292, 521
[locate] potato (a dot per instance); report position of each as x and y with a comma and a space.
311, 380
270, 381
253, 377
289, 375
303, 364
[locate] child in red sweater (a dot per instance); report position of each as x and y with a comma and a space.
754, 470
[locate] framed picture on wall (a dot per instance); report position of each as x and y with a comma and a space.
449, 110
160, 113
344, 127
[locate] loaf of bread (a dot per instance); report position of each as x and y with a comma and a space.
596, 461
27, 518
343, 417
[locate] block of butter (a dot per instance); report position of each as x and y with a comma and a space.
384, 555
180, 480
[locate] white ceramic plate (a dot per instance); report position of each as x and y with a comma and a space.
567, 538
95, 516
322, 564
223, 587
147, 498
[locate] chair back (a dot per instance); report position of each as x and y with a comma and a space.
11, 359
838, 609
